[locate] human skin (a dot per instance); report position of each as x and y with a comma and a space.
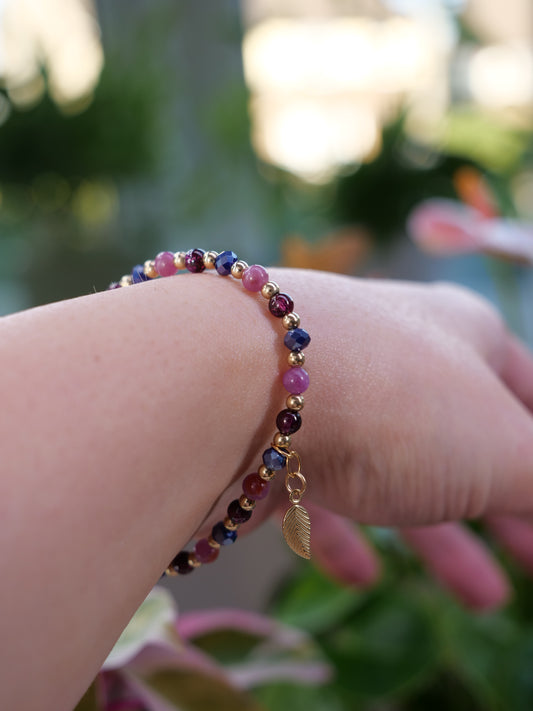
129, 414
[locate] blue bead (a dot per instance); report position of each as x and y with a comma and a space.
222, 535
138, 275
272, 459
297, 339
224, 262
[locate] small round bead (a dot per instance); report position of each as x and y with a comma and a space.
170, 571
280, 305
138, 275
149, 269
179, 260
288, 422
291, 321
224, 262
282, 440
214, 544
296, 381
181, 563
273, 459
125, 280
296, 358
270, 289
266, 473
228, 523
254, 278
164, 264
254, 487
238, 268
205, 552
246, 503
237, 514
209, 259
193, 561
114, 285
297, 339
221, 534
295, 402
194, 260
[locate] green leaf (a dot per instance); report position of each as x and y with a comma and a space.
89, 700
283, 696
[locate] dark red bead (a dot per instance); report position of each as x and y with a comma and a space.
288, 422
237, 514
280, 305
194, 260
254, 487
181, 563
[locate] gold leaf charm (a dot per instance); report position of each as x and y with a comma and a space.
296, 528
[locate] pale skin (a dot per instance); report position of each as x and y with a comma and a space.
128, 415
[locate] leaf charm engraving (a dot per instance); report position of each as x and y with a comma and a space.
296, 528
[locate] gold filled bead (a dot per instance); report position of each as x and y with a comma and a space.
290, 321
230, 525
149, 269
209, 259
246, 503
179, 260
212, 542
281, 440
238, 268
170, 571
270, 289
125, 280
296, 358
265, 473
193, 561
295, 402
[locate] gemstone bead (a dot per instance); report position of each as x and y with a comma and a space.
272, 459
237, 514
224, 262
181, 563
296, 381
254, 487
194, 260
254, 278
114, 285
222, 535
164, 264
138, 275
280, 305
297, 339
288, 422
204, 552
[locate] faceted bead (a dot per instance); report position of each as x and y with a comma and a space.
288, 422
272, 459
254, 278
164, 264
205, 553
194, 260
280, 305
224, 262
222, 535
138, 275
297, 339
181, 563
254, 487
237, 514
296, 381
114, 285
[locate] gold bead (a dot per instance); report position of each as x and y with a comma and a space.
291, 321
270, 289
230, 525
209, 259
212, 542
193, 561
126, 280
179, 260
149, 269
238, 268
170, 571
281, 440
265, 473
246, 503
296, 358
295, 402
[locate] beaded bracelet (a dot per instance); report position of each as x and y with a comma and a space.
296, 523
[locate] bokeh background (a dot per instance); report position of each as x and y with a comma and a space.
307, 133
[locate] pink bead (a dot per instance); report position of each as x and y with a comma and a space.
296, 381
254, 278
164, 264
205, 553
254, 487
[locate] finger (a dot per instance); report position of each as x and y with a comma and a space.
461, 563
516, 370
340, 550
517, 537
